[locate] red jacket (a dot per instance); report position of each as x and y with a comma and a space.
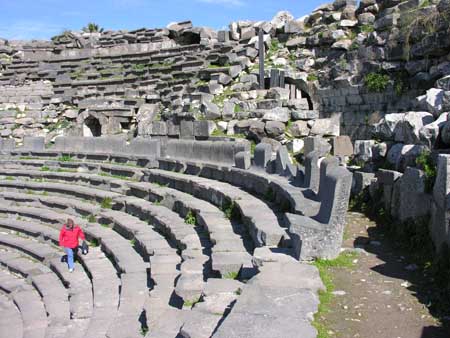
69, 238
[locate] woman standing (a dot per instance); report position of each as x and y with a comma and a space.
68, 239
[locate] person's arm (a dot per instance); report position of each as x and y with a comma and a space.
61, 236
81, 234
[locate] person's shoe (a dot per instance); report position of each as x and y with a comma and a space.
70, 270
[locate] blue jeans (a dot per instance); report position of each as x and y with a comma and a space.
69, 253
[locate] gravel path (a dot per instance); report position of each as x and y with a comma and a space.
378, 298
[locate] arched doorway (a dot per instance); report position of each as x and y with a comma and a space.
92, 127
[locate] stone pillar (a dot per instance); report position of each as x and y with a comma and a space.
262, 52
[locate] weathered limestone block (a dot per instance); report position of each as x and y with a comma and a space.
283, 163
243, 160
274, 129
429, 133
412, 193
386, 180
407, 131
317, 144
263, 154
440, 210
361, 181
326, 127
299, 129
342, 146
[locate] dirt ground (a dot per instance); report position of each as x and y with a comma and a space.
379, 297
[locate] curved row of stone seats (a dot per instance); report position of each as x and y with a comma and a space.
11, 324
93, 306
29, 303
54, 295
124, 172
141, 151
133, 281
262, 222
285, 191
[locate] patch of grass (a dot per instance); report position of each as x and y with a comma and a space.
65, 158
190, 218
345, 260
237, 108
231, 275
220, 98
218, 133
376, 82
252, 147
312, 77
45, 168
425, 162
367, 29
106, 203
133, 241
91, 219
238, 292
231, 211
191, 302
10, 178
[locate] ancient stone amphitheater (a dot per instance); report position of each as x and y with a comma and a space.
208, 168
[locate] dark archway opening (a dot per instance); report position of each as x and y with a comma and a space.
295, 92
94, 126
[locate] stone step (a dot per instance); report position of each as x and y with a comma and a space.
280, 300
29, 303
10, 319
54, 295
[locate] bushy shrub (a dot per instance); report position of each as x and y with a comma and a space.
376, 82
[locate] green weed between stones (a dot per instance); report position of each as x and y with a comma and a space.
45, 168
312, 77
106, 203
190, 218
425, 162
376, 82
231, 275
65, 158
191, 302
345, 261
231, 211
